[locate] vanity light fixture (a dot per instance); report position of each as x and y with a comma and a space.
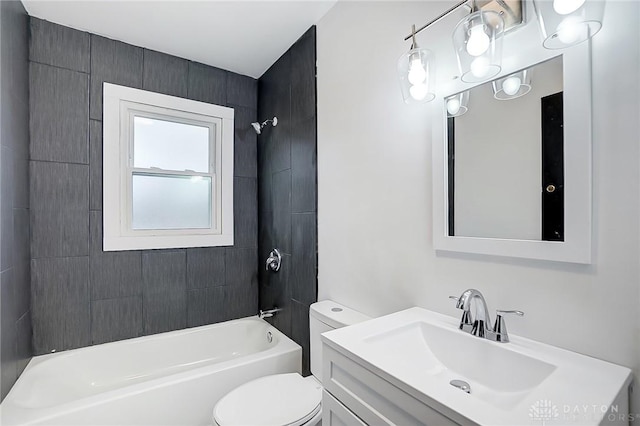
457, 104
477, 40
415, 71
564, 23
512, 86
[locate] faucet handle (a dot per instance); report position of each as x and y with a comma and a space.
466, 322
273, 261
459, 304
514, 312
500, 327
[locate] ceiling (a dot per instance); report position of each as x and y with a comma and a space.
241, 36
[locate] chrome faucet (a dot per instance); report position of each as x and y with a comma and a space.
268, 313
475, 317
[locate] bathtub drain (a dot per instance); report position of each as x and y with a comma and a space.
269, 337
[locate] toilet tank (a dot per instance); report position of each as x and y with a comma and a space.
325, 316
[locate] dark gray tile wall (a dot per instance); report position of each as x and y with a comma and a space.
59, 209
59, 134
111, 62
80, 294
60, 302
15, 295
165, 74
287, 188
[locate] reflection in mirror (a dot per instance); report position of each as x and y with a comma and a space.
505, 157
512, 86
457, 104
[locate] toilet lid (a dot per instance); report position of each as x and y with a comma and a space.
281, 399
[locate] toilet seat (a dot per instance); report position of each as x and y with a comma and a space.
280, 399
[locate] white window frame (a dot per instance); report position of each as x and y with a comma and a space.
120, 106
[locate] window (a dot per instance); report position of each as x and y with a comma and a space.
167, 171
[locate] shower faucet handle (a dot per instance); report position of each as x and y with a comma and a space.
273, 261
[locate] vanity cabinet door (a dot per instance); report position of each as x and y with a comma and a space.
336, 414
372, 398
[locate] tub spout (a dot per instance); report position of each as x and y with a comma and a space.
268, 313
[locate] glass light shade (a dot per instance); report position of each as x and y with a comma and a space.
564, 23
416, 75
477, 40
457, 104
512, 86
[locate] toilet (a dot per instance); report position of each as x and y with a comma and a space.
287, 399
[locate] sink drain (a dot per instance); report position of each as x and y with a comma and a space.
461, 384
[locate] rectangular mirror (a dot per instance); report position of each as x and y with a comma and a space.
505, 157
512, 160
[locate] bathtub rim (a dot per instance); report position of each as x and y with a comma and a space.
39, 359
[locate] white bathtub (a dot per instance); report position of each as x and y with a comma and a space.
171, 378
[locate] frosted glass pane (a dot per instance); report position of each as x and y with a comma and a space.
171, 202
170, 146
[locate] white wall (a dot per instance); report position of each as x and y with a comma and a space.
374, 181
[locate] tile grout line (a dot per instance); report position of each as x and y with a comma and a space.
87, 73
142, 296
186, 299
89, 191
142, 76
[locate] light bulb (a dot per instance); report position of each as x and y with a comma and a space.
418, 91
569, 30
417, 73
453, 106
478, 41
480, 67
511, 85
565, 7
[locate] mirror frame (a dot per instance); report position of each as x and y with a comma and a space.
576, 247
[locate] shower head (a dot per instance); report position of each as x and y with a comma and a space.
258, 127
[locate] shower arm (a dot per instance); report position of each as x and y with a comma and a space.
259, 126
273, 120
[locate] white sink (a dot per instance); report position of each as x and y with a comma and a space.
421, 351
446, 353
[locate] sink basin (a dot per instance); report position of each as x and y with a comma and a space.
421, 352
447, 354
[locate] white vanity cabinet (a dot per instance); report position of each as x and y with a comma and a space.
355, 395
